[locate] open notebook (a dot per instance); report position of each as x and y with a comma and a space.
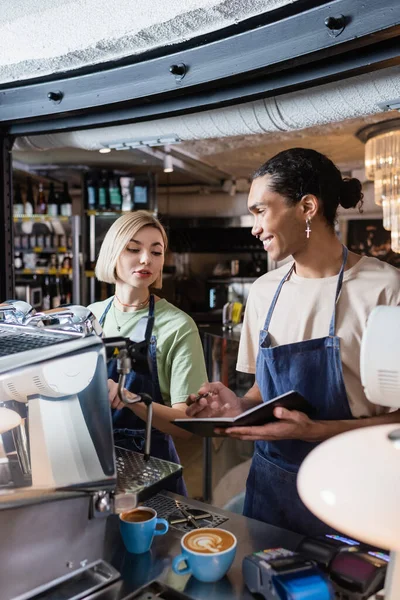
259, 415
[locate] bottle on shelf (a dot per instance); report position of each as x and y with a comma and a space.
114, 194
48, 241
91, 193
67, 290
104, 193
29, 207
52, 207
32, 241
56, 293
41, 204
46, 300
18, 260
141, 196
66, 201
127, 184
18, 202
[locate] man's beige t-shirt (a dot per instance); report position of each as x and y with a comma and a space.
304, 310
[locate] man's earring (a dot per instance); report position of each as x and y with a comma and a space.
308, 228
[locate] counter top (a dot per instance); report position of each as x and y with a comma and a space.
138, 570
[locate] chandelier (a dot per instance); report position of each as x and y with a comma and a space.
382, 165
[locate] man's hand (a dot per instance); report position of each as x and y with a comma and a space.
113, 397
292, 425
217, 401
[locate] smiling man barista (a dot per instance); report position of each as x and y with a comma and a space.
302, 330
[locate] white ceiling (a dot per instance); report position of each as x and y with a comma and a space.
40, 37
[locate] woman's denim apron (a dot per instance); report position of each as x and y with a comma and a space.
129, 429
313, 368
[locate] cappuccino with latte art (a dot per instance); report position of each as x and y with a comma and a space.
209, 541
207, 554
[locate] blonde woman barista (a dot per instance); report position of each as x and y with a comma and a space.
132, 257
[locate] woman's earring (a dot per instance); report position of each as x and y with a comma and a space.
308, 228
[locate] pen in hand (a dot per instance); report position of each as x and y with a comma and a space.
190, 401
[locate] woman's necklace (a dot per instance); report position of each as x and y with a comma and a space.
138, 305
116, 320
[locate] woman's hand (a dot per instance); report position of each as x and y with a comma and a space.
292, 425
217, 401
113, 397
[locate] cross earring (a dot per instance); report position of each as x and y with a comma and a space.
308, 229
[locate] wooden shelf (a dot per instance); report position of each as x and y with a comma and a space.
43, 271
39, 218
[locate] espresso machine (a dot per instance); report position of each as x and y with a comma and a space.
60, 473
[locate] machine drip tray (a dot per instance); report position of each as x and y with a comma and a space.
80, 584
154, 590
139, 479
184, 520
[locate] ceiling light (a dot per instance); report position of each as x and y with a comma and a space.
168, 164
382, 165
104, 150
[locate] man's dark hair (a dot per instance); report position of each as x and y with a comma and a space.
300, 171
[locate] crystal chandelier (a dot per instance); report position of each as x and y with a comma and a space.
382, 165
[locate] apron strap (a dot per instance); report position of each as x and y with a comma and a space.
103, 316
332, 326
275, 298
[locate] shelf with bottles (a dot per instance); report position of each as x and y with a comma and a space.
33, 201
44, 290
110, 194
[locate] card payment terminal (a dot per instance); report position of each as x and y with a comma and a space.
279, 574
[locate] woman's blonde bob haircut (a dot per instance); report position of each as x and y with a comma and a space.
116, 240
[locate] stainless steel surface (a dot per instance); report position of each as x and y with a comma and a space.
190, 518
46, 541
15, 311
79, 585
57, 382
72, 318
92, 254
172, 509
137, 478
76, 272
138, 570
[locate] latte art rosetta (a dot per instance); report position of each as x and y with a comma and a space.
208, 542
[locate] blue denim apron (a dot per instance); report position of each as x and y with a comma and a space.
129, 429
313, 368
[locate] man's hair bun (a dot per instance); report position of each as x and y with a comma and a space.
350, 192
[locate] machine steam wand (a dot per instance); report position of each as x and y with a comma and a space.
124, 367
133, 355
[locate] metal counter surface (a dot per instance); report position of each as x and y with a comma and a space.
138, 570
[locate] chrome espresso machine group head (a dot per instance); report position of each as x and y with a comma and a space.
60, 473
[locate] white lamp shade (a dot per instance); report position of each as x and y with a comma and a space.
8, 419
352, 483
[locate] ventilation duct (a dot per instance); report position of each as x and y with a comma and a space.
354, 97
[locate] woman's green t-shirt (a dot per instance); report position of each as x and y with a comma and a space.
180, 358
